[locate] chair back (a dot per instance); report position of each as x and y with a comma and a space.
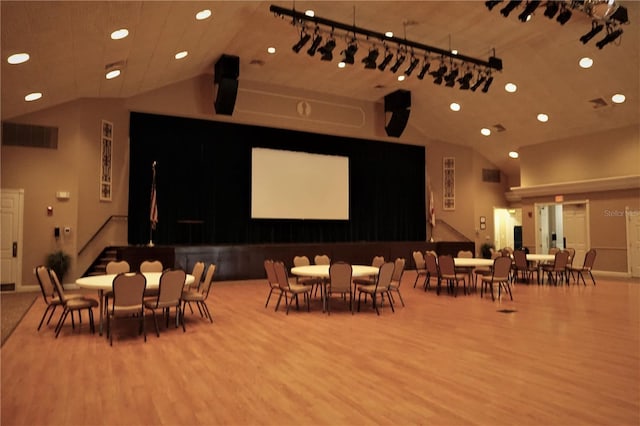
171, 286
46, 283
520, 259
340, 277
570, 254
554, 250
589, 259
197, 271
398, 270
322, 259
446, 265
377, 261
501, 268
206, 285
270, 270
467, 254
117, 267
384, 276
560, 262
431, 262
151, 266
301, 261
128, 292
281, 275
57, 286
418, 259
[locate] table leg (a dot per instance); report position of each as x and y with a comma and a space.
101, 301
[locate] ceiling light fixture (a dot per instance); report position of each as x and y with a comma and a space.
492, 3
485, 132
327, 50
348, 54
33, 96
505, 11
586, 62
478, 83
465, 80
514, 154
451, 77
412, 65
119, 34
564, 15
203, 14
317, 39
425, 67
454, 107
543, 118
370, 60
400, 56
438, 75
388, 56
595, 29
487, 84
18, 58
304, 38
551, 9
531, 6
271, 50
181, 55
510, 87
618, 98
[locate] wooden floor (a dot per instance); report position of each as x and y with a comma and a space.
564, 356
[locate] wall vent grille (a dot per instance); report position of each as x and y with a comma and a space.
30, 135
491, 175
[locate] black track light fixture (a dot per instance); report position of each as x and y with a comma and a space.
505, 11
425, 67
492, 3
304, 38
564, 16
412, 65
478, 83
595, 29
465, 80
438, 75
487, 84
531, 6
400, 57
327, 50
348, 54
317, 39
611, 36
451, 77
388, 56
551, 9
370, 60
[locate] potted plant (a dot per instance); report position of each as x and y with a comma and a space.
59, 261
485, 250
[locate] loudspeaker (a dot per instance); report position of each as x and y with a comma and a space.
228, 66
226, 96
397, 123
398, 100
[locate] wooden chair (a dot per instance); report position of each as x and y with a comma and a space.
499, 276
421, 267
272, 280
290, 288
431, 262
587, 266
381, 287
340, 274
448, 274
71, 304
49, 294
128, 298
169, 296
199, 296
396, 279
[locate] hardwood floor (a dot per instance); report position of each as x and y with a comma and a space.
566, 356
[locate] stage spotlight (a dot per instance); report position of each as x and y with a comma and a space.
505, 11
532, 5
451, 78
438, 75
424, 69
611, 36
465, 80
492, 3
314, 45
620, 15
564, 16
327, 50
551, 9
399, 60
477, 84
388, 56
370, 60
304, 38
487, 84
412, 66
348, 54
595, 29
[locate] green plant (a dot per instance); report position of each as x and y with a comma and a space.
485, 250
59, 261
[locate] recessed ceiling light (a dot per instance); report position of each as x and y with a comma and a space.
454, 51
341, 64
310, 13
120, 34
485, 131
514, 154
389, 34
33, 96
18, 58
586, 62
112, 74
454, 106
543, 118
401, 77
181, 55
203, 14
271, 49
510, 87
618, 98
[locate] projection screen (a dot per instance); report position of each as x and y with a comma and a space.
298, 185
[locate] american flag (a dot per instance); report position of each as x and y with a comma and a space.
432, 209
153, 215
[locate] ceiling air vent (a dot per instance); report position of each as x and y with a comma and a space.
491, 175
29, 135
598, 103
499, 128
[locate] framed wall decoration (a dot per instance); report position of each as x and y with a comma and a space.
106, 146
448, 183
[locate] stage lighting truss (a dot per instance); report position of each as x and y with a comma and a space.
604, 13
394, 52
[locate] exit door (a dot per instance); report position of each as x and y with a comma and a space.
12, 204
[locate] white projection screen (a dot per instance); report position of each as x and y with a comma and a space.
298, 185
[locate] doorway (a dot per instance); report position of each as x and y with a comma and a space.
633, 241
563, 225
12, 203
508, 228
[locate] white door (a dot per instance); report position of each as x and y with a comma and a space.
575, 228
11, 204
542, 236
633, 241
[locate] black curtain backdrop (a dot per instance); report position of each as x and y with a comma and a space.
204, 185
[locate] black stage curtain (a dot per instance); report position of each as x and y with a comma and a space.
204, 185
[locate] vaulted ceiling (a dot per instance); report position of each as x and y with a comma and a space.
70, 47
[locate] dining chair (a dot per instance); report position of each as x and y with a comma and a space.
523, 266
377, 262
128, 301
322, 259
197, 272
49, 294
431, 263
572, 253
71, 304
114, 267
199, 296
556, 271
448, 274
169, 296
287, 287
381, 287
396, 279
272, 280
151, 266
312, 281
499, 276
587, 266
421, 267
340, 274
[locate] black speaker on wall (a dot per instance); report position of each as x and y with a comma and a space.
398, 104
226, 73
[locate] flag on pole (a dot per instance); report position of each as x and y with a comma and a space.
432, 210
153, 215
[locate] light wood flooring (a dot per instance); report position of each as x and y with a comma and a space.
566, 356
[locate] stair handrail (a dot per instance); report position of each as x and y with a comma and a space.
453, 230
106, 222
